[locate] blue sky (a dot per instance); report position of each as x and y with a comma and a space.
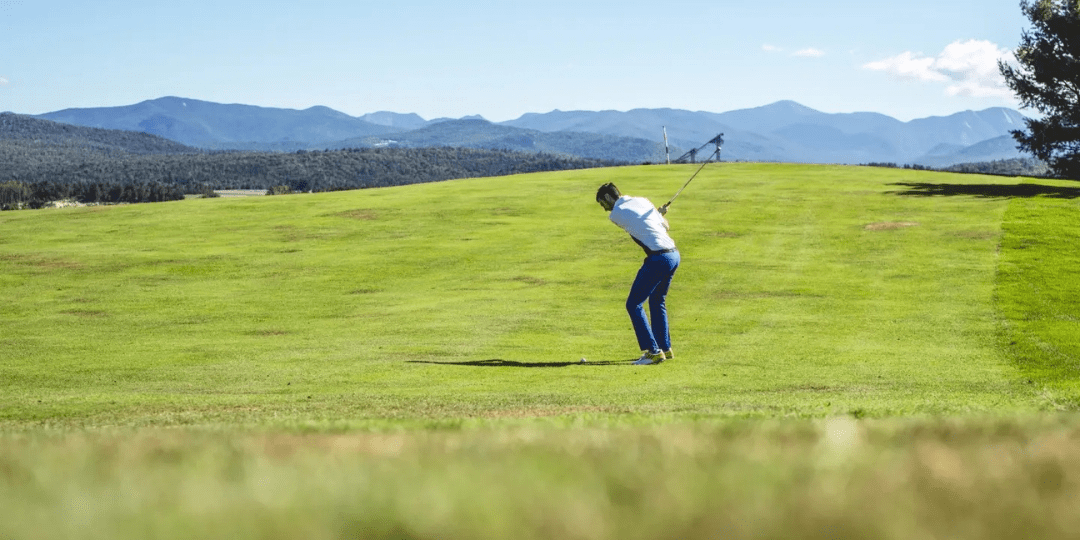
501, 59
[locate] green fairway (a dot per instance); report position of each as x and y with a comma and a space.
804, 291
404, 362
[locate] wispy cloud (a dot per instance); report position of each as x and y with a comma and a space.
968, 67
4, 81
809, 53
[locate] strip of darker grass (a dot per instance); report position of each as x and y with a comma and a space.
1038, 292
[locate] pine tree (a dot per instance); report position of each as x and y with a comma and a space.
1048, 80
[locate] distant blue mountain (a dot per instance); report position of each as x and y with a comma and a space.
995, 149
781, 131
479, 133
788, 131
213, 125
395, 120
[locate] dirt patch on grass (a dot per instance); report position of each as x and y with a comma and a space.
723, 234
270, 332
977, 235
85, 313
543, 412
361, 214
240, 192
890, 225
41, 261
507, 211
739, 295
529, 280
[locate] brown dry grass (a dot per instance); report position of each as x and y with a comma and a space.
889, 225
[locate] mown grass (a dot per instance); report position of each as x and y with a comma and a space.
799, 295
1037, 288
858, 355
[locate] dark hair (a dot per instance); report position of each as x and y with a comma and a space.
607, 189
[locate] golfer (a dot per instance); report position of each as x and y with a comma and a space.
648, 227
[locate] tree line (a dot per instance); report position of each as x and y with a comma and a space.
1001, 167
39, 172
17, 195
1005, 167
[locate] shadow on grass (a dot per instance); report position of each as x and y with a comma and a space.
989, 191
511, 363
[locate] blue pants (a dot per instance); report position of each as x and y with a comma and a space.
652, 282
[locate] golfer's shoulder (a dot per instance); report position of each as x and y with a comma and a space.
633, 204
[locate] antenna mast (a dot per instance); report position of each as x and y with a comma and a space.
667, 151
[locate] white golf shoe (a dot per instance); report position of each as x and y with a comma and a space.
649, 358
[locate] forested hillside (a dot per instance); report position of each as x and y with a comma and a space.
44, 161
481, 134
301, 171
1004, 167
37, 135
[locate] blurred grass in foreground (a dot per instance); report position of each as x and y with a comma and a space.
837, 477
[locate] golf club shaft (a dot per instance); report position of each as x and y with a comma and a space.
684, 185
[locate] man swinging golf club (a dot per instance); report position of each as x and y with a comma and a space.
648, 227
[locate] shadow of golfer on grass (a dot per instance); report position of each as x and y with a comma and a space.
511, 363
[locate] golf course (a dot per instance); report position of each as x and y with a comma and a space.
858, 353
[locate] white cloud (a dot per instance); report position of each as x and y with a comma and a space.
3, 81
809, 53
969, 67
907, 66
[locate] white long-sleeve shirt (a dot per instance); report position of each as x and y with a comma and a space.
638, 216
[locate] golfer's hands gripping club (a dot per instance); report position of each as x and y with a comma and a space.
663, 209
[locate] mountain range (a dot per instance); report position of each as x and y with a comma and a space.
783, 131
